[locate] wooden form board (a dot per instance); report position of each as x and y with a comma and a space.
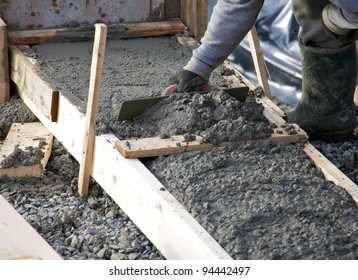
259, 61
194, 14
124, 30
29, 14
98, 55
20, 241
130, 184
4, 64
154, 146
29, 83
22, 136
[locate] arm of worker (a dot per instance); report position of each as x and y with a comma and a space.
229, 24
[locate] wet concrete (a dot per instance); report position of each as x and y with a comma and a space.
28, 157
216, 116
264, 201
138, 68
14, 111
133, 68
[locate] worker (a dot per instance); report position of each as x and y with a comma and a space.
327, 34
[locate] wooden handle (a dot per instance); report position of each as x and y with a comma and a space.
92, 107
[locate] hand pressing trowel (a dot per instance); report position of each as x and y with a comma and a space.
134, 107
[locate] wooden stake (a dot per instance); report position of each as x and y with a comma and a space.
92, 107
259, 61
4, 64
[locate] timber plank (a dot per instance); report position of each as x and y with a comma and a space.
194, 13
29, 83
23, 136
127, 30
259, 61
4, 64
171, 9
154, 146
99, 47
20, 241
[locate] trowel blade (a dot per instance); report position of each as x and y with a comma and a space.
134, 107
240, 93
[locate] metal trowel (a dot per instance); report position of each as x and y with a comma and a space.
134, 107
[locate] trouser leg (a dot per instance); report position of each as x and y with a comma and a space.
341, 20
348, 9
308, 14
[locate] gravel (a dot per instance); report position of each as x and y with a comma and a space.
344, 155
91, 227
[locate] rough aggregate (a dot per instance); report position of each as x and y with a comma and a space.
216, 116
91, 227
263, 201
344, 155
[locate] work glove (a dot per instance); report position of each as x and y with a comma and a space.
187, 81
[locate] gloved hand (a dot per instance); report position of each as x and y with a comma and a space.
187, 81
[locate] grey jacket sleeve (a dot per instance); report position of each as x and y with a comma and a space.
229, 24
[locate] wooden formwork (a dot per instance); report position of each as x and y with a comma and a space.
4, 64
194, 14
20, 14
130, 184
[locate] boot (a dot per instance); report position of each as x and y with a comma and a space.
326, 110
